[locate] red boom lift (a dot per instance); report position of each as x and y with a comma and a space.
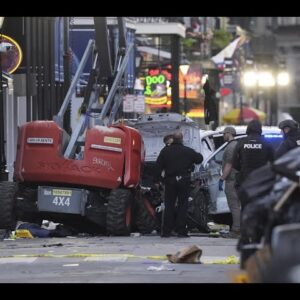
88, 179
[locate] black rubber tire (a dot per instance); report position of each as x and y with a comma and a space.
27, 210
118, 218
198, 211
144, 219
8, 191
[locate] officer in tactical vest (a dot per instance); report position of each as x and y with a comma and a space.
251, 153
291, 137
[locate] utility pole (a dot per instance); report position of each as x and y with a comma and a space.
67, 71
175, 57
274, 106
3, 171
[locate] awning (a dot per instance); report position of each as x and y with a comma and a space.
226, 52
154, 51
208, 65
161, 28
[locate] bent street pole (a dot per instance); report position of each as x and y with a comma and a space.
3, 171
175, 46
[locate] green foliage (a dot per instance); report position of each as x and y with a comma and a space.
189, 42
221, 39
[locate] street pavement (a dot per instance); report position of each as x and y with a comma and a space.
102, 259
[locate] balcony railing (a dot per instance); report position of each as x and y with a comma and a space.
156, 19
284, 21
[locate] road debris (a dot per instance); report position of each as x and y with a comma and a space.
160, 268
189, 255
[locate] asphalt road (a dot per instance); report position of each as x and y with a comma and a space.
114, 260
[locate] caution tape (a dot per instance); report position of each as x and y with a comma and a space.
84, 255
226, 261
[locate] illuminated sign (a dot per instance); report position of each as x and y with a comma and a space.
11, 54
193, 83
157, 83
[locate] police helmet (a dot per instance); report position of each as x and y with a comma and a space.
289, 123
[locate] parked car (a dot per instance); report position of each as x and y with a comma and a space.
212, 164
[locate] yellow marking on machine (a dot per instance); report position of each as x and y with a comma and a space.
56, 192
112, 140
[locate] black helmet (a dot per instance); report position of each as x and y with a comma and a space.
289, 123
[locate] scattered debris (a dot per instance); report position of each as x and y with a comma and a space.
49, 225
10, 236
71, 265
160, 268
23, 233
41, 232
218, 227
214, 234
135, 234
53, 245
189, 255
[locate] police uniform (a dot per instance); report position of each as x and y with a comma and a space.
230, 190
177, 161
251, 153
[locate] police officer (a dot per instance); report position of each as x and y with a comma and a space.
251, 153
291, 136
177, 160
229, 175
168, 139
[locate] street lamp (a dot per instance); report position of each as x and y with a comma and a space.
184, 70
3, 166
283, 78
266, 79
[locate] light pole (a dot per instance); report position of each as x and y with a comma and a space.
184, 70
3, 166
282, 80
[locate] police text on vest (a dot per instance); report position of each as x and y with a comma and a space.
252, 146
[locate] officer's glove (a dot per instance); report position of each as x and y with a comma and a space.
221, 182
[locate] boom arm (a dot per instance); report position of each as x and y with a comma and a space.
99, 76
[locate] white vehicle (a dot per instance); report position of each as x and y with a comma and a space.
212, 164
153, 128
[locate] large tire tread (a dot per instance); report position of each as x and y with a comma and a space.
8, 192
198, 211
144, 220
119, 202
28, 211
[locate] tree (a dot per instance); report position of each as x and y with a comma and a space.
221, 39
